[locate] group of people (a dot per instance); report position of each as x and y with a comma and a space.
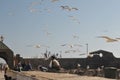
53, 66
23, 66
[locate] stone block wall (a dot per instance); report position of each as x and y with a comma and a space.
67, 63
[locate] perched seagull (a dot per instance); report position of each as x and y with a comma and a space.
1, 38
108, 39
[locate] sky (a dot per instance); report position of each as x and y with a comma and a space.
57, 25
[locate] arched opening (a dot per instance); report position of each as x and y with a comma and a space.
2, 61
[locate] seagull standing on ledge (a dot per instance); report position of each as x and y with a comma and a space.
1, 38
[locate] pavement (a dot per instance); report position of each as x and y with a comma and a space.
2, 76
61, 76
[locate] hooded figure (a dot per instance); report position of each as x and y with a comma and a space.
54, 64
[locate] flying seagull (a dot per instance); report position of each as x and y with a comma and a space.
108, 39
37, 46
68, 45
75, 36
69, 8
54, 0
74, 19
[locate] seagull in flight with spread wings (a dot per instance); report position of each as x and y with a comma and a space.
68, 8
108, 39
37, 46
54, 0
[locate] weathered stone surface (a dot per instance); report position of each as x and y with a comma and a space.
38, 75
2, 76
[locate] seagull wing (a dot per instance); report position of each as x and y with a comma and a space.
75, 8
108, 39
63, 45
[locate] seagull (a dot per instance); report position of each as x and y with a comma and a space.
118, 38
63, 45
67, 51
35, 3
32, 5
1, 38
82, 54
11, 14
78, 45
72, 45
65, 7
69, 45
108, 39
75, 19
69, 8
75, 8
48, 10
75, 36
54, 0
37, 46
33, 10
72, 51
48, 33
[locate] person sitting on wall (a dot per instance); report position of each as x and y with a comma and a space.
19, 66
54, 64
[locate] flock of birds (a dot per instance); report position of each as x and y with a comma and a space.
72, 46
33, 9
